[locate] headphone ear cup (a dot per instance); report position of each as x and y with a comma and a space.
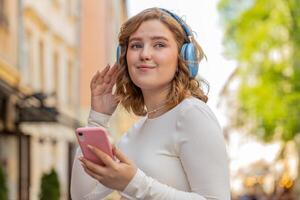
118, 55
182, 51
188, 53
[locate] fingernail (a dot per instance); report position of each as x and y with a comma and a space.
82, 164
90, 147
80, 158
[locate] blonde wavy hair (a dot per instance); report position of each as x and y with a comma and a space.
182, 86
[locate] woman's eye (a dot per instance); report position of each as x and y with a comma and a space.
135, 46
159, 45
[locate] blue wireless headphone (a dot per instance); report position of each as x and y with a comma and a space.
188, 50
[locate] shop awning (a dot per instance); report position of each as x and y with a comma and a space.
31, 108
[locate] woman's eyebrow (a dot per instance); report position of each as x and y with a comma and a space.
152, 38
135, 39
159, 38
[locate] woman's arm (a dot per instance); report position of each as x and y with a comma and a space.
202, 152
97, 119
82, 185
103, 104
146, 188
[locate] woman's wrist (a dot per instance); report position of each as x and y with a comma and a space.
98, 119
137, 181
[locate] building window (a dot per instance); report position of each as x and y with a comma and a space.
3, 14
41, 65
70, 83
3, 103
29, 71
56, 75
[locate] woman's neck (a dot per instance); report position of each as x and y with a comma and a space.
156, 101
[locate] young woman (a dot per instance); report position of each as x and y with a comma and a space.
176, 150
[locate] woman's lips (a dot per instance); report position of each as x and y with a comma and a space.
146, 66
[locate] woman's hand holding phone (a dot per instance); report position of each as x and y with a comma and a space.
103, 162
115, 175
102, 98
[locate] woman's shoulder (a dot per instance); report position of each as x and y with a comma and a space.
193, 106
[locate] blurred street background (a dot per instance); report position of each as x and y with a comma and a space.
49, 50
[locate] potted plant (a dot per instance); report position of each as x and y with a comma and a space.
3, 186
50, 188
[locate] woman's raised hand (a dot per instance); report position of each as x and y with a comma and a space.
102, 98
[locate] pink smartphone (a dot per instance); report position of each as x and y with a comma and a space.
97, 137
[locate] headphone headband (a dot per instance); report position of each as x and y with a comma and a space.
180, 21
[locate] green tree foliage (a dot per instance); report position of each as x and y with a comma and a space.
50, 188
264, 37
3, 186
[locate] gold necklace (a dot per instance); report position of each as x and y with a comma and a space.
157, 109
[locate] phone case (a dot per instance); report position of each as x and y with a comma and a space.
95, 136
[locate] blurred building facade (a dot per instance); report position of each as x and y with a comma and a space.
49, 51
39, 76
9, 81
100, 26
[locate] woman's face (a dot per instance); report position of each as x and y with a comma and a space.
152, 56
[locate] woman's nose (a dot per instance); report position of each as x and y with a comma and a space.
145, 53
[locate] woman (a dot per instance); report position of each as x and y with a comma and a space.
177, 150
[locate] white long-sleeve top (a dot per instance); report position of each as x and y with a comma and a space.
180, 155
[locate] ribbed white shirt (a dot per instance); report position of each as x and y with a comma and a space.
180, 155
